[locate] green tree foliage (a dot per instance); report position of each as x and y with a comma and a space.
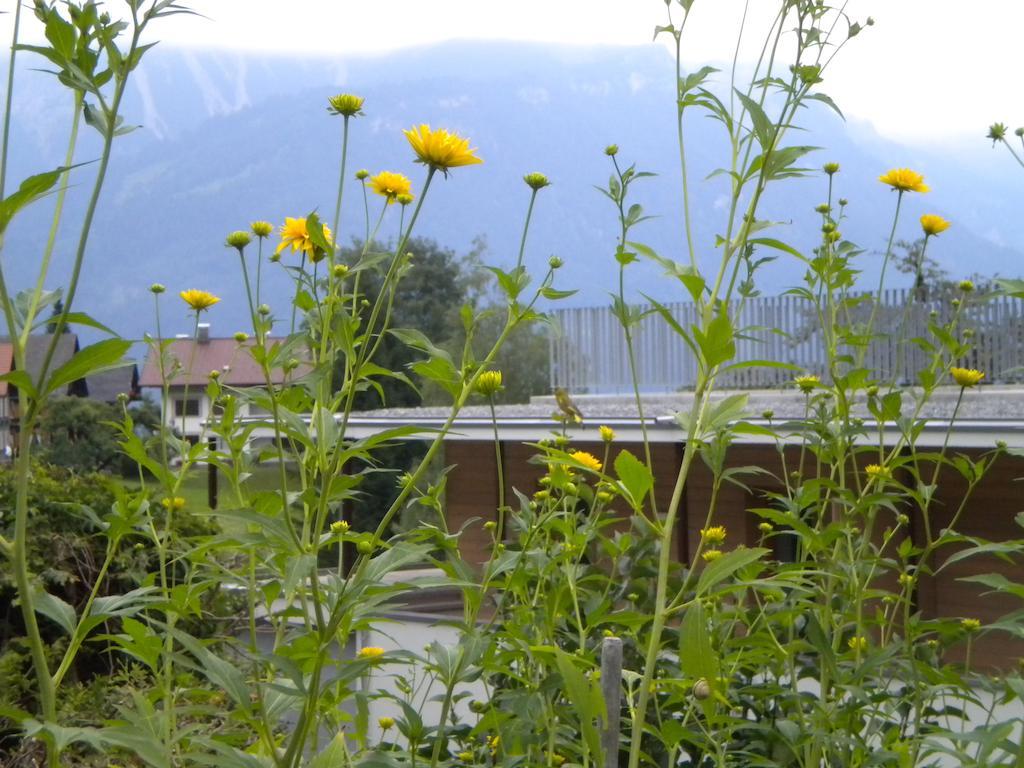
429, 298
76, 433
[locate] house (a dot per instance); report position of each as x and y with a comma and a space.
188, 365
106, 386
986, 415
35, 355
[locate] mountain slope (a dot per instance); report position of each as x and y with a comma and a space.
230, 138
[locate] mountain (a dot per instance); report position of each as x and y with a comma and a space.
228, 138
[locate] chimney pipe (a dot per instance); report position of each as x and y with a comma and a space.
203, 333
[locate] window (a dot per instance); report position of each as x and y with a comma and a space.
188, 407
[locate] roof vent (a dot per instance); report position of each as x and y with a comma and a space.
203, 333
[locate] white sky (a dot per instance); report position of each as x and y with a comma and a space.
928, 69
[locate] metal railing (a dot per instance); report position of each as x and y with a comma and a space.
588, 348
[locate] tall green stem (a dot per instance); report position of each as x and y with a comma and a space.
526, 228
55, 224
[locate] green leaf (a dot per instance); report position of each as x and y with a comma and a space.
584, 697
771, 242
333, 755
718, 344
31, 189
696, 656
635, 479
101, 356
555, 294
763, 127
721, 569
55, 609
688, 275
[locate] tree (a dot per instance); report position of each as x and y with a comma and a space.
76, 434
931, 281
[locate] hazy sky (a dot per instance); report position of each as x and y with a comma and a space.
933, 69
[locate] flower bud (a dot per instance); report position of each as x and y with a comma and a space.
831, 168
261, 228
345, 104
241, 337
362, 174
997, 132
263, 309
554, 262
488, 383
611, 150
238, 240
157, 288
340, 270
536, 181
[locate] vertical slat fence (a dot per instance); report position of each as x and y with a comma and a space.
588, 351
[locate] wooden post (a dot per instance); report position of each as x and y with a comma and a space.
611, 689
211, 478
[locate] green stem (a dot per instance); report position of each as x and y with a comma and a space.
881, 281
9, 100
526, 228
58, 211
25, 583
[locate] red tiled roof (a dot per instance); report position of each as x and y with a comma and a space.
232, 359
6, 363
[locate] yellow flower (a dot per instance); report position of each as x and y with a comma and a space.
933, 225
386, 722
807, 383
198, 300
905, 180
370, 653
858, 643
713, 536
711, 555
970, 625
588, 460
877, 472
390, 185
489, 383
339, 527
607, 433
966, 377
345, 104
261, 228
440, 149
295, 234
176, 503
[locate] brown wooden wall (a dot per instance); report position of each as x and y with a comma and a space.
989, 513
